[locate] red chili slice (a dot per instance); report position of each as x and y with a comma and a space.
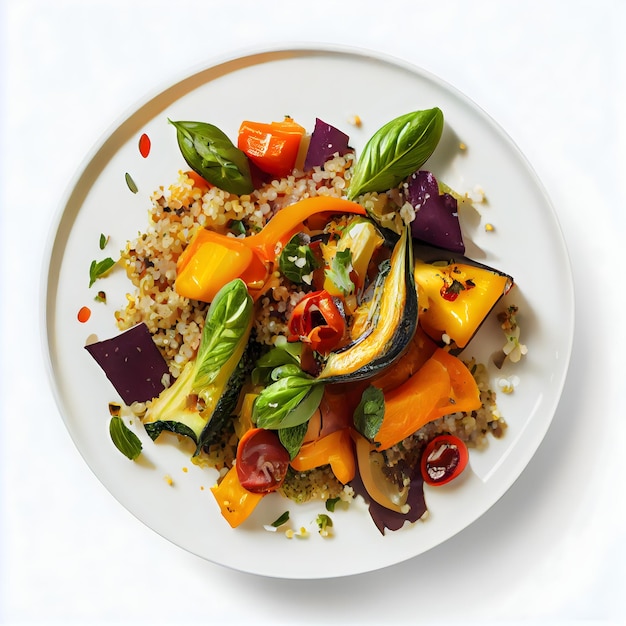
317, 321
262, 461
443, 459
144, 145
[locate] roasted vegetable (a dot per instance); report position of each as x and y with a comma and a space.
335, 449
133, 364
455, 298
294, 396
317, 322
444, 458
361, 238
204, 390
390, 328
211, 259
326, 140
236, 503
443, 385
272, 147
436, 213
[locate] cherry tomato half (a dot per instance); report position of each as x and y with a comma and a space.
443, 459
262, 461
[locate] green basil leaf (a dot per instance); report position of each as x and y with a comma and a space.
290, 401
210, 153
286, 354
297, 260
288, 369
281, 355
395, 151
368, 415
97, 269
339, 271
305, 408
125, 440
227, 323
292, 438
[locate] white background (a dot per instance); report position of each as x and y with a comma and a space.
553, 549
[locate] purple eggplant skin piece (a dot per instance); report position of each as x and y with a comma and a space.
326, 140
133, 364
386, 519
436, 214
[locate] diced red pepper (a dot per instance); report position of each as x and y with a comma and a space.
272, 147
317, 321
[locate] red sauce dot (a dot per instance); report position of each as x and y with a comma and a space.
84, 314
144, 145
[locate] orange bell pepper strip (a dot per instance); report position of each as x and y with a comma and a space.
335, 449
210, 260
443, 385
236, 503
289, 219
273, 147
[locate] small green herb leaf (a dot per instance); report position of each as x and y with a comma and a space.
297, 261
292, 438
330, 504
368, 415
103, 241
210, 153
125, 440
98, 269
324, 523
237, 227
395, 151
339, 271
132, 185
283, 519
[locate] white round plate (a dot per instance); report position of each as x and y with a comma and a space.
333, 84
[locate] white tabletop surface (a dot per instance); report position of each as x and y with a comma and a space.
553, 549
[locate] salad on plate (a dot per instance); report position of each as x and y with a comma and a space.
301, 319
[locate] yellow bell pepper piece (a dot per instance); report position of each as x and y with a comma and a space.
335, 449
235, 502
454, 299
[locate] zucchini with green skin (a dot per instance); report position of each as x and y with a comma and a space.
227, 402
208, 387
